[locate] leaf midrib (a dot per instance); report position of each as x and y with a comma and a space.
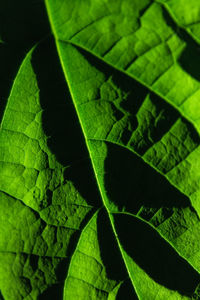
100, 188
148, 87
92, 162
57, 40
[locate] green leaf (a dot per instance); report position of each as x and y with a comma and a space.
140, 38
99, 156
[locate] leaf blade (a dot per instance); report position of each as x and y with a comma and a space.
168, 78
35, 184
96, 147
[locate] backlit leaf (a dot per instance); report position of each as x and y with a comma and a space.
99, 154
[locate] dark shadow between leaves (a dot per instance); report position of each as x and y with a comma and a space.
155, 256
22, 24
131, 183
55, 291
126, 291
111, 257
1, 296
60, 122
65, 141
189, 60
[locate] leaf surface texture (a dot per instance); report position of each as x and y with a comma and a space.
99, 159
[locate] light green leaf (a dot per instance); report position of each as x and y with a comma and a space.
104, 133
41, 209
140, 38
99, 157
186, 15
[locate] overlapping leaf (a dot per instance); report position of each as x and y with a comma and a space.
99, 167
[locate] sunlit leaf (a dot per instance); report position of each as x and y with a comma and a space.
99, 154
